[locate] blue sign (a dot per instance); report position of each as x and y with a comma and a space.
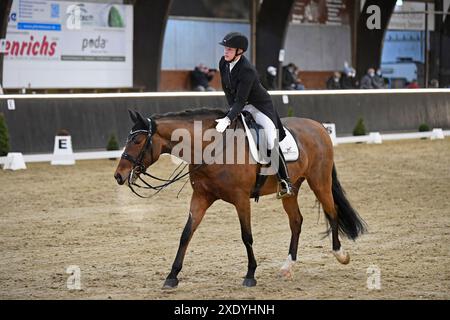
54, 10
38, 26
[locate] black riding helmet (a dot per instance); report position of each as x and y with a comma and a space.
235, 40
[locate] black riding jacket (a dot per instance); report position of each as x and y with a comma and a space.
243, 87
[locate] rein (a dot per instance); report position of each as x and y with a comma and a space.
178, 176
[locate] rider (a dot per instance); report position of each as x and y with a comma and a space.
244, 91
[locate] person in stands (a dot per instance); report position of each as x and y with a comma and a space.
200, 78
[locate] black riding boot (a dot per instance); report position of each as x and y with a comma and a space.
283, 178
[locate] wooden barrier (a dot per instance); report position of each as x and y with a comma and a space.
180, 80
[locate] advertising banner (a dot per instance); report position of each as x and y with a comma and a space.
51, 44
402, 20
325, 12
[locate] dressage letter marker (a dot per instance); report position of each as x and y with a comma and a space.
11, 104
331, 129
62, 152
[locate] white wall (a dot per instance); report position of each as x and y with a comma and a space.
190, 42
318, 47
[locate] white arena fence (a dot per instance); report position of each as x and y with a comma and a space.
93, 155
213, 93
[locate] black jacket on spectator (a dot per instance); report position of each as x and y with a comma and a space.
243, 87
378, 82
348, 82
289, 80
368, 82
199, 78
271, 81
332, 84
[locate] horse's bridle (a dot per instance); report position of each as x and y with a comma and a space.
138, 162
139, 167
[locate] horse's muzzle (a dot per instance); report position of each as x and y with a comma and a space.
119, 178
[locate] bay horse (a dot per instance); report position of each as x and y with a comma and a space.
233, 183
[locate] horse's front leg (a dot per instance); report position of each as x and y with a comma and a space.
199, 204
243, 210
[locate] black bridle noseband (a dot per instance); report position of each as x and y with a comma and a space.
139, 167
138, 162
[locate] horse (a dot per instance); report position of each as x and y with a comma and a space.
233, 183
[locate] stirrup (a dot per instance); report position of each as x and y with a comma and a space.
286, 189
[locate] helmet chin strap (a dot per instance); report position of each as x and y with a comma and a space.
236, 55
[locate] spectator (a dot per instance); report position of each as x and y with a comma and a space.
379, 82
271, 78
334, 82
348, 79
200, 78
434, 83
290, 79
413, 85
368, 81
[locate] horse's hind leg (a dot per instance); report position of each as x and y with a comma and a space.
322, 190
243, 210
290, 205
199, 204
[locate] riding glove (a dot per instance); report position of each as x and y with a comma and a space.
222, 124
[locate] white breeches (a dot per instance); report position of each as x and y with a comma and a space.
266, 123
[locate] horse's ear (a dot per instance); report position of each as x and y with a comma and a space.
141, 119
132, 116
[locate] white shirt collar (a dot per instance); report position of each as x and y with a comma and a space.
232, 64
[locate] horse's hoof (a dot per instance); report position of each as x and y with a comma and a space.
170, 284
286, 273
249, 282
342, 256
286, 269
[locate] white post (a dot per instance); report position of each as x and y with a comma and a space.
437, 133
375, 137
14, 161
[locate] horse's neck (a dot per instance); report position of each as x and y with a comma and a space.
192, 140
171, 129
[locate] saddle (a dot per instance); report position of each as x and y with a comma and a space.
256, 136
257, 143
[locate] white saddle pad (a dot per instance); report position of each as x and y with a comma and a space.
288, 146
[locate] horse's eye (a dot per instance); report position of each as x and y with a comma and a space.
136, 140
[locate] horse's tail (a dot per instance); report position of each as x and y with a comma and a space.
349, 221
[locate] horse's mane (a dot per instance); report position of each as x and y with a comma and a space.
191, 114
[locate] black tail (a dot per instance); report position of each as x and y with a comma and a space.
349, 221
